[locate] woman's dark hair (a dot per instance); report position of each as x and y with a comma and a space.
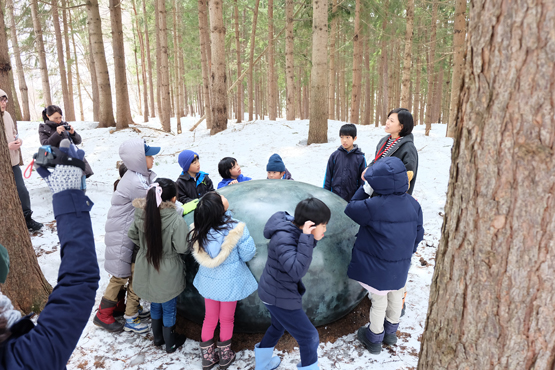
225, 165
311, 209
405, 119
153, 221
50, 110
122, 170
209, 214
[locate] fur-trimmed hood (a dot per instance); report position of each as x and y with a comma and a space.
230, 241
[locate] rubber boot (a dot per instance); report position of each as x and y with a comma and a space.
390, 330
372, 342
120, 307
157, 332
210, 357
227, 356
172, 339
263, 358
105, 316
314, 366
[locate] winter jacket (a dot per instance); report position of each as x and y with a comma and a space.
406, 152
50, 343
225, 182
223, 274
390, 227
167, 283
134, 184
189, 188
343, 172
11, 132
49, 136
289, 257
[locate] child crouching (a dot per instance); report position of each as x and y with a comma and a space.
390, 230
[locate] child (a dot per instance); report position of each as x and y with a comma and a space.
345, 166
221, 245
119, 260
292, 241
192, 183
276, 169
390, 230
159, 276
230, 171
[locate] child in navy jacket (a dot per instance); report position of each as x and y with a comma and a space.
390, 230
292, 241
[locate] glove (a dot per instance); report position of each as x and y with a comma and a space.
189, 206
64, 177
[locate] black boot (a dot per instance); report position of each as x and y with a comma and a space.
372, 342
210, 357
172, 339
33, 225
157, 332
390, 337
227, 356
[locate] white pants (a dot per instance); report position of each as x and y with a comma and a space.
385, 307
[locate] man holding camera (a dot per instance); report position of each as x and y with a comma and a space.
14, 143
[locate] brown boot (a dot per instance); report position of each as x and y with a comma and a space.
105, 316
209, 354
227, 356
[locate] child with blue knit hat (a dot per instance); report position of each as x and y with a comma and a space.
276, 168
193, 183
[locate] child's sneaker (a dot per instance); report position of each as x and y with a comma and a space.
143, 313
134, 324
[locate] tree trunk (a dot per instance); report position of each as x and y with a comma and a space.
318, 125
238, 51
204, 41
158, 57
289, 61
94, 83
177, 96
298, 93
13, 93
181, 68
491, 298
250, 72
385, 77
341, 87
136, 68
70, 109
20, 72
367, 96
405, 84
149, 60
431, 65
357, 56
5, 68
417, 93
39, 45
331, 76
123, 110
76, 61
272, 84
218, 74
143, 64
164, 77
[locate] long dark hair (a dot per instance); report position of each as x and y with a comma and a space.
122, 170
153, 221
209, 214
50, 110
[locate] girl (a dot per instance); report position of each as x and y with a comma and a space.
159, 277
221, 245
230, 171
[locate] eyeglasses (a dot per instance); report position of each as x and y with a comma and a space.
4, 100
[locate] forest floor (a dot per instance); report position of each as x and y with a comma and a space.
251, 143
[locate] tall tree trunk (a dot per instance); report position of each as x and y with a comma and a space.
149, 60
298, 94
357, 57
143, 64
341, 111
318, 125
491, 298
289, 61
164, 77
39, 45
183, 112
238, 51
331, 76
70, 109
431, 65
459, 34
272, 83
136, 68
94, 83
251, 60
123, 110
385, 79
204, 42
417, 93
158, 57
20, 72
13, 94
367, 96
5, 68
405, 84
177, 97
76, 68
218, 74
379, 95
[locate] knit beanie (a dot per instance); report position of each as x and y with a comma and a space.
275, 163
185, 159
4, 264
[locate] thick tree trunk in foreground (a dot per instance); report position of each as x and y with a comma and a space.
26, 286
39, 45
5, 66
163, 61
491, 298
123, 110
218, 75
405, 83
318, 125
289, 62
357, 57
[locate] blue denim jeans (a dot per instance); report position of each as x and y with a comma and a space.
166, 311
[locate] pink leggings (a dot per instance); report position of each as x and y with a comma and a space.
223, 311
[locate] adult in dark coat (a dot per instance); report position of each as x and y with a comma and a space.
52, 131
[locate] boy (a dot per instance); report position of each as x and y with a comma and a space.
276, 169
292, 241
346, 164
390, 230
230, 171
193, 183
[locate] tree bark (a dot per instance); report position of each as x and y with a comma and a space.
331, 76
272, 83
318, 125
250, 85
385, 77
431, 65
459, 34
238, 51
177, 95
94, 83
218, 74
367, 96
143, 63
405, 83
39, 45
204, 41
149, 60
491, 301
70, 109
357, 56
417, 93
5, 67
13, 94
289, 61
163, 77
20, 72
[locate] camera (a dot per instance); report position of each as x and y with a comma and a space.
66, 126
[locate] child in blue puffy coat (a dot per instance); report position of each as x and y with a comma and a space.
390, 230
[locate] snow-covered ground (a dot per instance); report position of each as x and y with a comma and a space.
252, 144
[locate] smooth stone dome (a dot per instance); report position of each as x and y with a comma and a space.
330, 294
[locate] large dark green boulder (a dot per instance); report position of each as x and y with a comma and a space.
330, 294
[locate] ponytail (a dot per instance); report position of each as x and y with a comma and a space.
50, 110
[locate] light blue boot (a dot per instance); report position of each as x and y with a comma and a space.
314, 366
264, 360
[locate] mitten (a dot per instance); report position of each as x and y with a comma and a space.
189, 206
64, 177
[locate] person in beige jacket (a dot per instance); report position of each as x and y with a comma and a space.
14, 143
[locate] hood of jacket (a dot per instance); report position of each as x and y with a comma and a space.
281, 221
219, 247
388, 176
3, 93
355, 150
167, 212
132, 153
